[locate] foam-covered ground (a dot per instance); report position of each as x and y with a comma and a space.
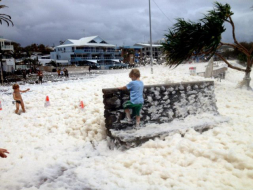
64, 147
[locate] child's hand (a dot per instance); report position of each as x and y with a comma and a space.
3, 152
28, 89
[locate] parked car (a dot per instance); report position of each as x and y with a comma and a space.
119, 66
95, 67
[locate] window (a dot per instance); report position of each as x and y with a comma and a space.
92, 41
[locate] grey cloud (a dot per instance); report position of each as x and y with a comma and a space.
117, 21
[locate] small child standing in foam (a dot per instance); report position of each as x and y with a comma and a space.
18, 98
136, 97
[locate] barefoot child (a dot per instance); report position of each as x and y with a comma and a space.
136, 96
18, 98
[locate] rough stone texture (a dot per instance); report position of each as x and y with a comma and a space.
162, 104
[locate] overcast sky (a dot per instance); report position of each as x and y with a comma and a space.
120, 22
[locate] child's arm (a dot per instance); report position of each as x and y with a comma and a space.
122, 88
24, 90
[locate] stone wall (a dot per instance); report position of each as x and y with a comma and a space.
162, 103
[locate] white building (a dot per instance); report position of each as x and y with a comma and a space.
86, 51
43, 60
8, 62
156, 49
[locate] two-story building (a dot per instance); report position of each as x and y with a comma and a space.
137, 53
7, 61
130, 54
145, 51
88, 51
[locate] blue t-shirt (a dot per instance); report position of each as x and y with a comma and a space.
136, 91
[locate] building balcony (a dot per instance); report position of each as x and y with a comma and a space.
118, 57
90, 58
76, 58
88, 51
7, 47
80, 51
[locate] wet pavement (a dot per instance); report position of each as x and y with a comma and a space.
53, 76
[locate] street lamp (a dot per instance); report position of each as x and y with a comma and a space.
151, 53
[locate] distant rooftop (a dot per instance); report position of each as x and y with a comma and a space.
95, 41
4, 40
130, 47
147, 45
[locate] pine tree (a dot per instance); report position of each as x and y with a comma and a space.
188, 38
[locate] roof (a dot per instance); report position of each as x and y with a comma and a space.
130, 47
4, 40
148, 45
87, 41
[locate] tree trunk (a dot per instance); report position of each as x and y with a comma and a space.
246, 80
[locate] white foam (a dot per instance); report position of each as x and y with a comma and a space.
64, 147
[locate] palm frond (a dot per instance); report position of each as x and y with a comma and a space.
6, 19
187, 38
2, 6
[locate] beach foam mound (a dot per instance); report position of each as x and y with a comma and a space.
64, 147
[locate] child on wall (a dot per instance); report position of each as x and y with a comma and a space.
136, 97
18, 98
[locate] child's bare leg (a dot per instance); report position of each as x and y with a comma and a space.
138, 119
17, 108
127, 111
23, 106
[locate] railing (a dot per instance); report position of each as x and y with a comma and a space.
95, 51
7, 47
88, 51
94, 58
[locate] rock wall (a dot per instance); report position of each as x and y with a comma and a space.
162, 103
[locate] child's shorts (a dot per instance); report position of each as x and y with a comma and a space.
19, 102
135, 107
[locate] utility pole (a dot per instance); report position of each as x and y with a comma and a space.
1, 57
151, 52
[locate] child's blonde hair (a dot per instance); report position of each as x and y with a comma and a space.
135, 72
15, 86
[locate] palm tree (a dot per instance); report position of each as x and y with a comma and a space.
188, 38
5, 18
